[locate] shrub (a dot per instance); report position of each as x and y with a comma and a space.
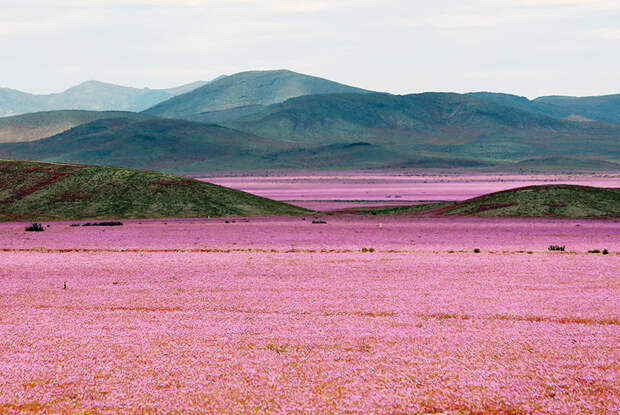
477, 250
103, 224
368, 249
557, 247
318, 221
605, 251
594, 251
35, 227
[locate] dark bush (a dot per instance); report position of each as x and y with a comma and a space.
556, 247
103, 224
477, 250
35, 227
605, 252
318, 221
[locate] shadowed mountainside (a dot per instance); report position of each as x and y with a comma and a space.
34, 191
249, 90
29, 127
158, 144
433, 125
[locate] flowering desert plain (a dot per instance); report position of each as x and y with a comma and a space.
324, 313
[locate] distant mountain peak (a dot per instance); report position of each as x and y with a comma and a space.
248, 88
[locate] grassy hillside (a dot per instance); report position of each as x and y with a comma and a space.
29, 127
433, 125
549, 201
247, 89
33, 191
89, 95
566, 201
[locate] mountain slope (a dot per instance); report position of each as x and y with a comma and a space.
29, 127
159, 144
432, 125
253, 88
89, 95
605, 108
600, 108
35, 191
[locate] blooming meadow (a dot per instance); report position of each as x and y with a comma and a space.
279, 315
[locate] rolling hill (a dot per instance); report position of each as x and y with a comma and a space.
549, 201
34, 191
432, 125
89, 95
253, 89
604, 108
29, 127
558, 200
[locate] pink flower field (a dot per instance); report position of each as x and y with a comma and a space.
279, 315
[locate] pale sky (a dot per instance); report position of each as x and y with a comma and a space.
526, 47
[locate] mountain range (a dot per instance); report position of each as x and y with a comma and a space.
281, 119
596, 108
90, 95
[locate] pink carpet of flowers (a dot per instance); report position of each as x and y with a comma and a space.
359, 315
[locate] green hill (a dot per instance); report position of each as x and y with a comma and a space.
34, 191
558, 200
29, 127
549, 201
252, 88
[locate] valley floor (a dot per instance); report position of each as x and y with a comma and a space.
282, 315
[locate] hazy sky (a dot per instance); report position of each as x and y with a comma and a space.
528, 47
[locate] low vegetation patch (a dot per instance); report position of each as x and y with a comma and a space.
109, 223
35, 227
556, 248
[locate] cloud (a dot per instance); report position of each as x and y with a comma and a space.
607, 33
462, 21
